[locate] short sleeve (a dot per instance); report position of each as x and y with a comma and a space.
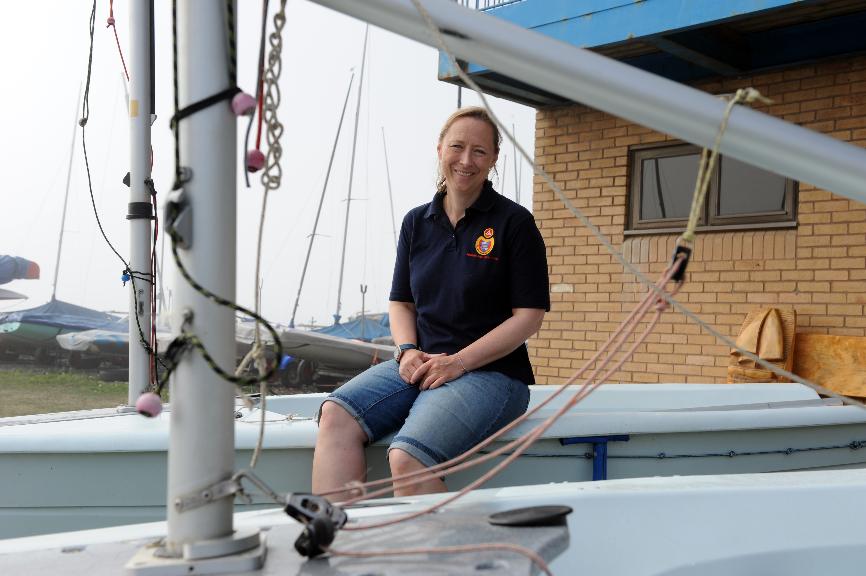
529, 283
401, 289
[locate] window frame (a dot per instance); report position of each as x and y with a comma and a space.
710, 219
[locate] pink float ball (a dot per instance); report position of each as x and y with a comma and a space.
149, 404
255, 160
243, 104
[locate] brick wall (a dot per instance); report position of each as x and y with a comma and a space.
819, 268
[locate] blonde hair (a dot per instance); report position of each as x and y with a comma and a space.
478, 113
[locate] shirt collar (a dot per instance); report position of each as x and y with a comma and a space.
483, 204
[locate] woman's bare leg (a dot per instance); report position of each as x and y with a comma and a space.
339, 455
402, 463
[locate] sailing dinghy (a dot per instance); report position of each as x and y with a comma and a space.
735, 523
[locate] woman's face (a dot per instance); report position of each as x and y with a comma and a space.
467, 152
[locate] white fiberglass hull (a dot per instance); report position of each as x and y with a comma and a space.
790, 524
88, 470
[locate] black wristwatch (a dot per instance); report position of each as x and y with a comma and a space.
398, 350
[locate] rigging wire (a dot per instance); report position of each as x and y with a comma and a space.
110, 24
133, 275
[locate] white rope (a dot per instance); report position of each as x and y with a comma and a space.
640, 276
708, 160
271, 179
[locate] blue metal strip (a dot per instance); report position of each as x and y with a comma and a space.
593, 439
599, 450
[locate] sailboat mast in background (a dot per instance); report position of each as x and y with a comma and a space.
516, 162
65, 201
321, 202
351, 177
390, 194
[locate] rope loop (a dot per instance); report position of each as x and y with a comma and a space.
708, 158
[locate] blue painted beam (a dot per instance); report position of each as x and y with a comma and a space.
596, 23
593, 23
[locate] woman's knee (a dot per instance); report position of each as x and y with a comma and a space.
335, 420
402, 462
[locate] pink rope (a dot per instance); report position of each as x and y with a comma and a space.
632, 319
520, 445
111, 25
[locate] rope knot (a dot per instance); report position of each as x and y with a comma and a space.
750, 95
110, 22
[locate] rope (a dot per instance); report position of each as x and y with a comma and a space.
231, 42
608, 349
260, 72
708, 160
178, 169
188, 339
275, 130
111, 25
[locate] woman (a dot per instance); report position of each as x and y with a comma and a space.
470, 287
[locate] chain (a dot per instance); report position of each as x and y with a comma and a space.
273, 172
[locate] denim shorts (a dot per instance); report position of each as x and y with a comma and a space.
431, 425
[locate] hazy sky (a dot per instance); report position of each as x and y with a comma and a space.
45, 46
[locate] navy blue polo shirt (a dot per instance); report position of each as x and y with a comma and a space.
465, 280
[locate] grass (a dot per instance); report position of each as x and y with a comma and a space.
36, 392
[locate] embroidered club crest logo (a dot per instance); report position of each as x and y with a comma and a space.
488, 233
485, 245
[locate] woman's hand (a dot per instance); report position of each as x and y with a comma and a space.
436, 370
410, 361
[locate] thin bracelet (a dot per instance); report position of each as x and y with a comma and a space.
459, 359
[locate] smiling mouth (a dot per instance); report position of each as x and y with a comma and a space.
461, 173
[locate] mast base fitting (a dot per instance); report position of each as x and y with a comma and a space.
243, 104
321, 521
245, 550
255, 160
680, 273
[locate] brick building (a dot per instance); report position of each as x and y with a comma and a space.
808, 253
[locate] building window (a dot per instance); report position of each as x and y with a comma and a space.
740, 195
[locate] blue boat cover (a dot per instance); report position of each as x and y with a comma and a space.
15, 268
67, 316
365, 328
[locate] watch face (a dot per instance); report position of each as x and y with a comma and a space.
397, 353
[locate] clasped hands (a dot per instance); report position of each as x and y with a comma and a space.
429, 371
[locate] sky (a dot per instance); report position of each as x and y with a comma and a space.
46, 48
